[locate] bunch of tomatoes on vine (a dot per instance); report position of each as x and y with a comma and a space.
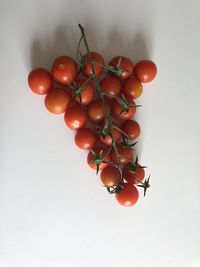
98, 103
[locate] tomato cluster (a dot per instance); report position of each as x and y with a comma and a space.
98, 103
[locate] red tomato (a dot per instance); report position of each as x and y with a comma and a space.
126, 155
145, 71
96, 111
40, 81
97, 150
132, 88
98, 68
87, 95
75, 117
108, 139
128, 196
110, 176
133, 177
64, 70
57, 100
111, 85
131, 128
85, 138
116, 110
126, 66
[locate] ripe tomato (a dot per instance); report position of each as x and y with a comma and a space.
126, 66
64, 70
98, 68
85, 138
116, 110
132, 88
133, 177
108, 139
96, 111
87, 95
40, 81
128, 196
57, 100
131, 128
126, 155
110, 176
111, 85
145, 71
104, 156
75, 117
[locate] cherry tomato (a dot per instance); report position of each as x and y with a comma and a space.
126, 155
40, 81
85, 138
98, 68
126, 66
145, 71
125, 115
110, 176
133, 177
104, 156
96, 111
132, 88
87, 95
57, 100
128, 196
64, 70
111, 85
108, 139
75, 117
131, 128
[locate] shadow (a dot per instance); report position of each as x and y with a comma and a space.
63, 41
140, 48
44, 51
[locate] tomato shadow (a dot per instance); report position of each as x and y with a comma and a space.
45, 50
114, 42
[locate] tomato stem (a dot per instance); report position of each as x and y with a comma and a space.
101, 94
78, 48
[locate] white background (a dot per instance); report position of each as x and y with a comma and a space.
53, 210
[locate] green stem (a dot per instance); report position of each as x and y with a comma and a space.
78, 48
98, 87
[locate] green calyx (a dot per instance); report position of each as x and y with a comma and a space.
134, 166
114, 189
145, 185
125, 106
98, 159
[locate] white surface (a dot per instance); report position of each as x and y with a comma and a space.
53, 210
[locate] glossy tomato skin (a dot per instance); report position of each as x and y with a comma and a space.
57, 100
116, 110
128, 196
96, 111
111, 85
40, 81
87, 95
64, 70
145, 71
133, 177
75, 117
131, 128
90, 157
85, 138
108, 139
126, 65
126, 155
98, 68
110, 176
132, 88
